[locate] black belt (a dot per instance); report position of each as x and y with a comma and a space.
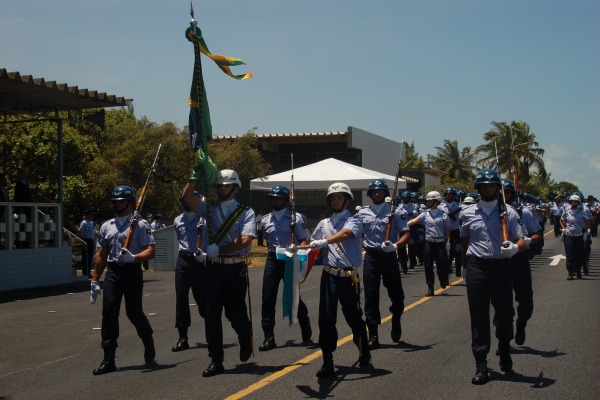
184, 254
373, 250
489, 262
117, 266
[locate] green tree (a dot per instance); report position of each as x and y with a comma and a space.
413, 159
516, 147
457, 164
241, 155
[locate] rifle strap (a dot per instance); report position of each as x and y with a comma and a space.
228, 223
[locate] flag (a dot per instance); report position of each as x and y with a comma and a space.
200, 126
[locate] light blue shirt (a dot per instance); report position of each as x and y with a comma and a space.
451, 208
112, 237
277, 233
575, 221
186, 228
245, 225
350, 247
485, 231
86, 228
375, 225
436, 223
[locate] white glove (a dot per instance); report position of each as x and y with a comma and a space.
448, 247
200, 256
527, 240
317, 244
94, 291
212, 251
509, 250
388, 246
126, 257
388, 200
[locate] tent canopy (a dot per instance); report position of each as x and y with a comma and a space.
320, 175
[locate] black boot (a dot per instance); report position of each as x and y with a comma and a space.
306, 330
108, 364
505, 359
481, 373
404, 267
269, 343
373, 342
579, 273
245, 347
149, 351
570, 277
520, 333
182, 344
396, 328
215, 368
327, 368
430, 291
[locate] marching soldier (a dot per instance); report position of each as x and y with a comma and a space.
189, 272
232, 230
574, 222
277, 230
486, 255
437, 240
341, 234
380, 260
451, 207
124, 277
520, 267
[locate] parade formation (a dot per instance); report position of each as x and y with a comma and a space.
486, 237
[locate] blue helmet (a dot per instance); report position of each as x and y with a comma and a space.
406, 194
507, 184
414, 194
450, 190
487, 176
461, 193
378, 184
280, 191
123, 192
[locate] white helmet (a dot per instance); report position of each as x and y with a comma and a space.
228, 177
469, 200
434, 196
574, 197
339, 187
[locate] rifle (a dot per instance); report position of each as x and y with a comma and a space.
515, 173
200, 228
140, 203
502, 202
390, 215
292, 248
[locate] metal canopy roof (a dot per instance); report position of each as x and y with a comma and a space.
23, 94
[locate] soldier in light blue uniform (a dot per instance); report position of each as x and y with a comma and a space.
189, 271
451, 207
381, 262
520, 267
403, 254
341, 234
486, 255
226, 266
574, 222
86, 232
277, 227
124, 277
437, 240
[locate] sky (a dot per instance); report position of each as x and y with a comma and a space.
421, 71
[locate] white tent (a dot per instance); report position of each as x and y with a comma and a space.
320, 175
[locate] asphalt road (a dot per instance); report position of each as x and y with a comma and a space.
50, 343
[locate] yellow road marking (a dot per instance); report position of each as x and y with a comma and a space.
303, 361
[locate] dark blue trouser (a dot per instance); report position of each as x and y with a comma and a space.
489, 282
556, 223
274, 273
88, 256
575, 252
381, 266
522, 285
189, 274
436, 252
455, 249
123, 281
334, 289
225, 289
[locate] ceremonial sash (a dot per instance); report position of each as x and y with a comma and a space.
228, 223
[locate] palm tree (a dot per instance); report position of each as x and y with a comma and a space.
413, 159
458, 165
512, 148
